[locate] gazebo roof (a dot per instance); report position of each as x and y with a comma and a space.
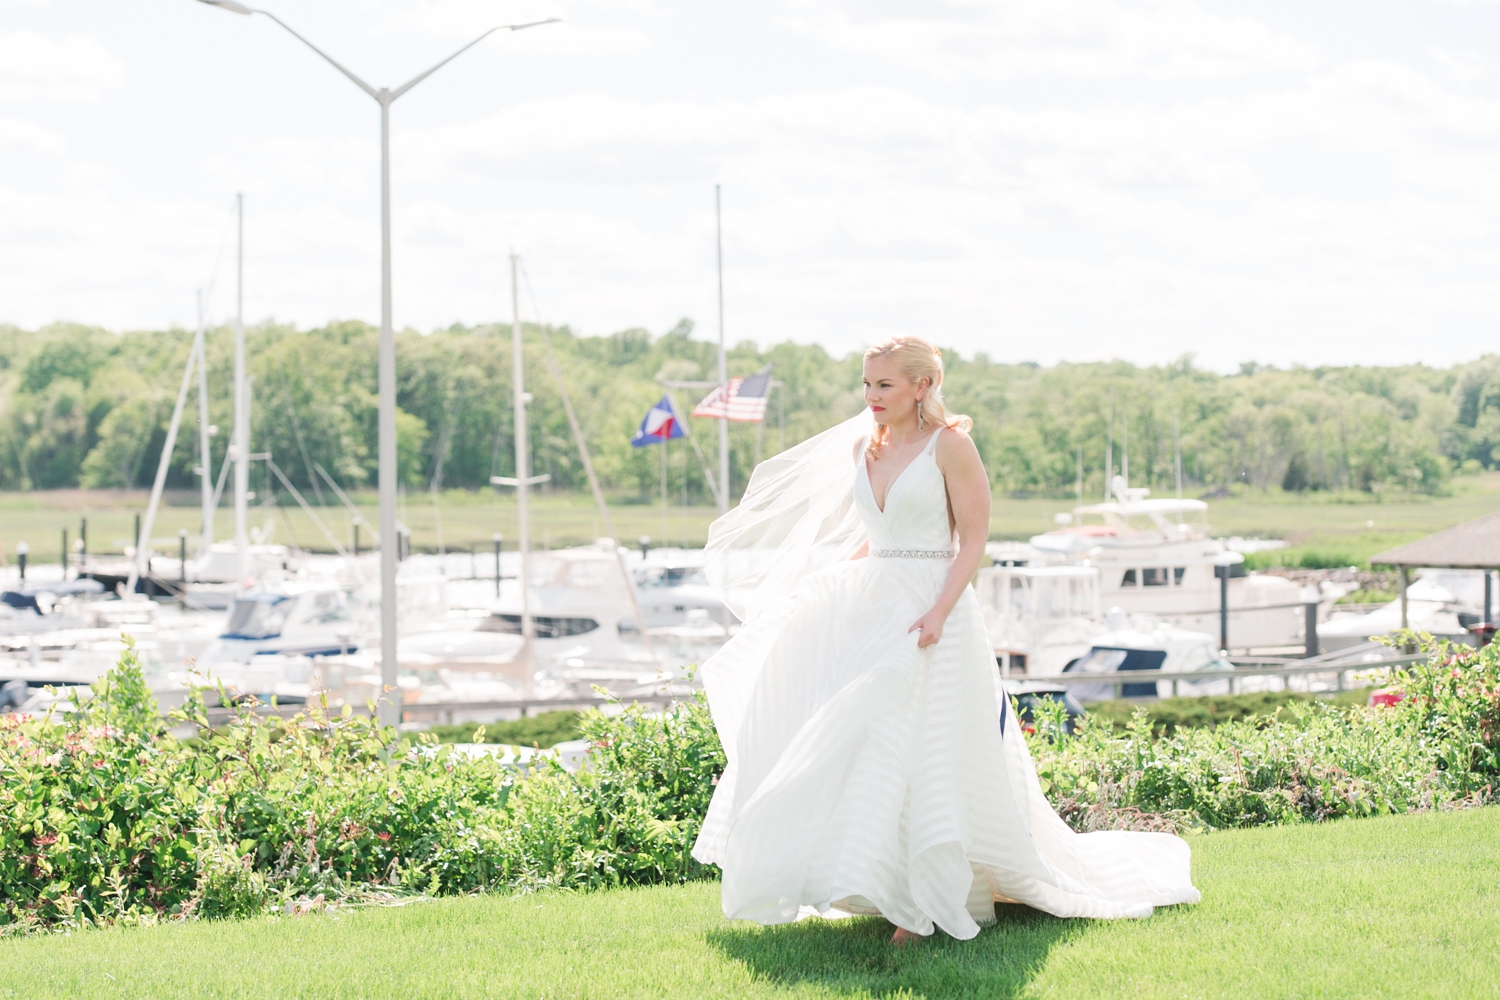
1472, 545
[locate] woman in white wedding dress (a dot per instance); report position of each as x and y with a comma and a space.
872, 766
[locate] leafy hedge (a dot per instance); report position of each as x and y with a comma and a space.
1171, 714
105, 818
1438, 748
542, 730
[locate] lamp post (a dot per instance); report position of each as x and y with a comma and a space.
390, 712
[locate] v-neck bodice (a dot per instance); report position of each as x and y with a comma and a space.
916, 504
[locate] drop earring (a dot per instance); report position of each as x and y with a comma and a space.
921, 418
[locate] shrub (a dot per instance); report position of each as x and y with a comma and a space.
1170, 714
545, 730
228, 883
104, 817
122, 698
1438, 748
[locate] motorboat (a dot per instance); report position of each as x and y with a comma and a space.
1444, 602
46, 606
273, 636
673, 591
1156, 556
1032, 697
1039, 618
1143, 647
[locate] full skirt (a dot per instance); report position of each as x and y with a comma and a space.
870, 776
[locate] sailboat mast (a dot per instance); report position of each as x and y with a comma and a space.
523, 474
1177, 452
204, 442
241, 448
1109, 454
723, 363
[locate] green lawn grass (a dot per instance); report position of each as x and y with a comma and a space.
1392, 907
1333, 527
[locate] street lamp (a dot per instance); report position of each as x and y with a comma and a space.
389, 711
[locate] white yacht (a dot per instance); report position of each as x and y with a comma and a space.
1151, 556
1143, 650
1444, 602
1039, 618
272, 637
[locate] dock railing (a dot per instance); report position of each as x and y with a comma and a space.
1262, 667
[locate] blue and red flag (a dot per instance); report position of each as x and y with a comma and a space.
661, 424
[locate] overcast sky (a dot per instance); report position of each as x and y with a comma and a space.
1288, 182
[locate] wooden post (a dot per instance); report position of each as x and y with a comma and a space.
1405, 582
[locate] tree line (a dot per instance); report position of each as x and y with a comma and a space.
84, 407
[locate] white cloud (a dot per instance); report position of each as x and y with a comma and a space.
1160, 39
34, 67
585, 28
1461, 66
1350, 210
1358, 204
17, 135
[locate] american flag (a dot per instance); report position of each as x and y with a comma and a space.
745, 400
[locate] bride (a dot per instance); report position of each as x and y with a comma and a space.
873, 766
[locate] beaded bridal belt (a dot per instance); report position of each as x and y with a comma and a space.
912, 553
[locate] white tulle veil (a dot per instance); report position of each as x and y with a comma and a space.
797, 516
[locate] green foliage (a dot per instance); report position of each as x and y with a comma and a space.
1438, 748
545, 730
121, 698
228, 883
84, 407
1367, 595
1170, 714
104, 818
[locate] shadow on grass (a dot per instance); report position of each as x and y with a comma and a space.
854, 956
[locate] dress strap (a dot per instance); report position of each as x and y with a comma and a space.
931, 446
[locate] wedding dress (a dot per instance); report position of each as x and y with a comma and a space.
864, 774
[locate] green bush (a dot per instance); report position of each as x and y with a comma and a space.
1170, 714
228, 883
1438, 748
122, 698
545, 730
100, 823
106, 818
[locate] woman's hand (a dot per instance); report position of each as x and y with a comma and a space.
931, 627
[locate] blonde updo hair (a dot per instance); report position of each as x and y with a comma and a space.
917, 360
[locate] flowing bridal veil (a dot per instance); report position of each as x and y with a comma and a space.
865, 774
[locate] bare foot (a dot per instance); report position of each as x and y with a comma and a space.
903, 937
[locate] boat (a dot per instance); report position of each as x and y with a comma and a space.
1147, 556
1444, 602
1150, 648
272, 636
1039, 618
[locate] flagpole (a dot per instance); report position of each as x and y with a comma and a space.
664, 443
723, 363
